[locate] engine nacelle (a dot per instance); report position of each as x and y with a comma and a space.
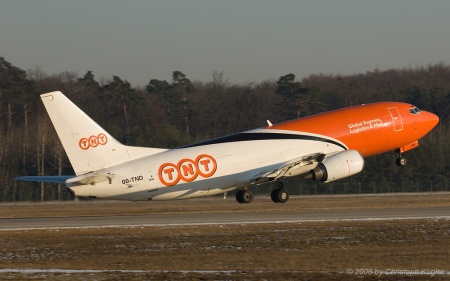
338, 166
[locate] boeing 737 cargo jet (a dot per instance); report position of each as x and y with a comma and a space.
324, 147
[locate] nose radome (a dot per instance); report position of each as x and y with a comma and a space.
434, 119
431, 119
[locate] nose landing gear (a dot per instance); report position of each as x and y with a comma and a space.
400, 161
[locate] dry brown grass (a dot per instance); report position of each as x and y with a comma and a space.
288, 251
99, 207
266, 250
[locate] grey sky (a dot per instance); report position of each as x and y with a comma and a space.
247, 40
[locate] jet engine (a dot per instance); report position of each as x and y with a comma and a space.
338, 166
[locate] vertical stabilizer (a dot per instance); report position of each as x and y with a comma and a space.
88, 146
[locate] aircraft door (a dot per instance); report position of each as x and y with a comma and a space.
396, 119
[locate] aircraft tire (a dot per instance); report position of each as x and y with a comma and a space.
239, 197
400, 161
283, 195
247, 196
274, 195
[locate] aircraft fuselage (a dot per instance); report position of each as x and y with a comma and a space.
224, 164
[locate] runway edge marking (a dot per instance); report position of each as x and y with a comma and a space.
226, 223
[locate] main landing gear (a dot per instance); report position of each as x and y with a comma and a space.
244, 196
279, 195
400, 161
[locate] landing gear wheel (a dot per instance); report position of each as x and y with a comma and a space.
283, 196
239, 196
274, 196
279, 195
244, 196
400, 161
247, 196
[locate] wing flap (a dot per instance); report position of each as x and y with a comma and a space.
292, 168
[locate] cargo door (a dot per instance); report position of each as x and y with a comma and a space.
396, 119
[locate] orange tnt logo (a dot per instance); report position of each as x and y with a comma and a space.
93, 141
187, 170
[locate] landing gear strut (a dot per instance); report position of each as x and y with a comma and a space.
244, 196
400, 161
279, 195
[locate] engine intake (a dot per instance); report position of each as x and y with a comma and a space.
338, 166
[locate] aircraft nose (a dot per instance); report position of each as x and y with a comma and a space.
430, 120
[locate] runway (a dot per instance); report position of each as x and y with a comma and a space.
223, 217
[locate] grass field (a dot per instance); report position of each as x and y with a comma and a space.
100, 207
289, 251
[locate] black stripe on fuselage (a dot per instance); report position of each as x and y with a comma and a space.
263, 136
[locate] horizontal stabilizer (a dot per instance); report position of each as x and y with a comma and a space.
52, 179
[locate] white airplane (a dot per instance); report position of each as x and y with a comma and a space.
326, 147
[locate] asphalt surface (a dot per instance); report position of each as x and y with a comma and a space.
234, 217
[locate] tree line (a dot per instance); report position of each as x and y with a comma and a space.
180, 111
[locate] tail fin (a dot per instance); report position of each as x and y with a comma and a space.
88, 146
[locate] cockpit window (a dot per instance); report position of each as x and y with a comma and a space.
414, 110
